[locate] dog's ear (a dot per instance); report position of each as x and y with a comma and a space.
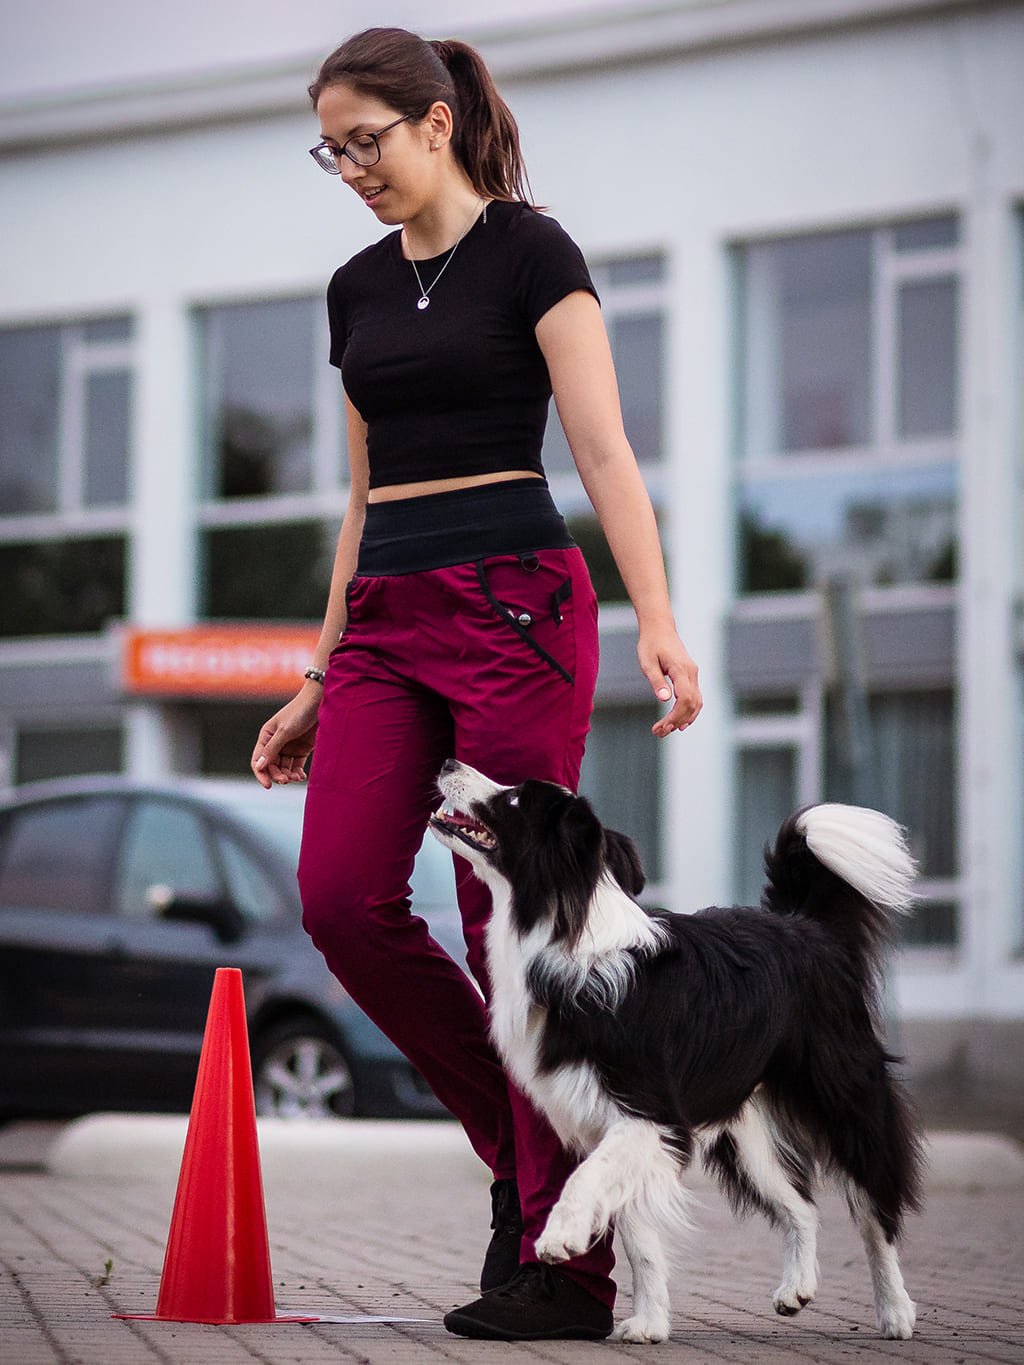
560, 865
623, 860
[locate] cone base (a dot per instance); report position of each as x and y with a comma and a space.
207, 1322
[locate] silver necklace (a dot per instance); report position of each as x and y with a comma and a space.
424, 299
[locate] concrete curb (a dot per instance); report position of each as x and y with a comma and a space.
145, 1147
149, 1147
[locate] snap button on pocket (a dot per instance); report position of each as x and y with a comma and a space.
525, 619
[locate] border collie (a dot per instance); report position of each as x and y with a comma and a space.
747, 1038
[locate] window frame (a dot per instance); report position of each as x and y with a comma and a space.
79, 358
886, 451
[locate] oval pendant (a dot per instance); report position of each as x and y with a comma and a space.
423, 303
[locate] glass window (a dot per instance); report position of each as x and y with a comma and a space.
621, 776
912, 746
107, 437
927, 234
63, 586
58, 855
806, 346
41, 754
586, 531
165, 845
766, 794
634, 314
260, 359
108, 329
869, 525
638, 348
30, 366
927, 340
273, 571
249, 887
635, 270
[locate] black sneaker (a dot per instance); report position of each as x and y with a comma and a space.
538, 1304
501, 1260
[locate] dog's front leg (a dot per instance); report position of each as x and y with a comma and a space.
629, 1167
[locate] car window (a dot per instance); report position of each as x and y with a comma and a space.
58, 854
249, 886
165, 845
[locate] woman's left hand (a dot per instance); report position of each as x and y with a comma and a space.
667, 666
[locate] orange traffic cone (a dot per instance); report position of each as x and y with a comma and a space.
217, 1262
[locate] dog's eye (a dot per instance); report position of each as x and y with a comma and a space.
513, 798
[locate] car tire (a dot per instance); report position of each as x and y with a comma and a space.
300, 1070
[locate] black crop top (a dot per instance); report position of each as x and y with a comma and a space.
460, 387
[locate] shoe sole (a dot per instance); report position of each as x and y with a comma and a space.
468, 1327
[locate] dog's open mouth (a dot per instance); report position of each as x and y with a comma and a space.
470, 831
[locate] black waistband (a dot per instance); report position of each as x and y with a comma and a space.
457, 527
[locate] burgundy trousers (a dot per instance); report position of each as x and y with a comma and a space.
492, 662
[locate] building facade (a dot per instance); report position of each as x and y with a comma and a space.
806, 223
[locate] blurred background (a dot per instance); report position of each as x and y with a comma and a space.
805, 219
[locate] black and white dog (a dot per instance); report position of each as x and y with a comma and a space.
746, 1037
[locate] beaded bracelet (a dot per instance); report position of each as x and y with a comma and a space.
316, 675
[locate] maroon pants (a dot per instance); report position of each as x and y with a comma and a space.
493, 663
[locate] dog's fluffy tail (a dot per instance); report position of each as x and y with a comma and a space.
845, 866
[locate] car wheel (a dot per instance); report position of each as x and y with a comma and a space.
300, 1071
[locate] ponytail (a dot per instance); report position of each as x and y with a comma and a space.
486, 137
408, 74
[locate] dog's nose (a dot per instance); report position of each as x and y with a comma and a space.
449, 766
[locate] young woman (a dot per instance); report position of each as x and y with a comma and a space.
461, 620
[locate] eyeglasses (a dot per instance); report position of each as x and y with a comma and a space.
363, 149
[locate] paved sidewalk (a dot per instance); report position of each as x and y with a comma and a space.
397, 1229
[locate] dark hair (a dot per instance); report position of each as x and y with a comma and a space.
408, 74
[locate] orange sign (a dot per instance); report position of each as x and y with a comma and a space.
217, 661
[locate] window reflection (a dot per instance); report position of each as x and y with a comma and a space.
927, 339
62, 587
807, 343
107, 437
877, 527
765, 796
259, 366
912, 748
30, 361
278, 571
57, 854
620, 777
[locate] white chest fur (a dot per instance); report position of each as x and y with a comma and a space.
571, 1097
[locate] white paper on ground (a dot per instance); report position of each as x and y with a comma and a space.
357, 1317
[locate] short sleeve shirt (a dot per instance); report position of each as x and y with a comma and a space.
459, 387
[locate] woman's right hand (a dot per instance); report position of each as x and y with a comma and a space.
286, 741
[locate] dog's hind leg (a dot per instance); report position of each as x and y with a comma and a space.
650, 1317
894, 1308
758, 1171
631, 1169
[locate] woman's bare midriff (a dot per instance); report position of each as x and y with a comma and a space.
394, 491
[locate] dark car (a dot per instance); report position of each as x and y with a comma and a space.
118, 901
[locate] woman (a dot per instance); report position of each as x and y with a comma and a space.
461, 620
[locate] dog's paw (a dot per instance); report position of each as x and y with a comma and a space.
788, 1299
896, 1319
563, 1237
642, 1329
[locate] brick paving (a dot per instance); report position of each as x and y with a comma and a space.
408, 1245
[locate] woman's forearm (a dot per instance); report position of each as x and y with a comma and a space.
623, 506
345, 556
